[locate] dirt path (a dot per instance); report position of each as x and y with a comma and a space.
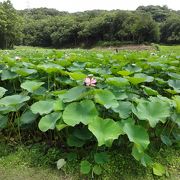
128, 47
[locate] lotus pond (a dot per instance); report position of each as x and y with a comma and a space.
91, 100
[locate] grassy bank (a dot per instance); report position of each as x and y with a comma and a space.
39, 162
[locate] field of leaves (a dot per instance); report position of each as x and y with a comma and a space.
92, 100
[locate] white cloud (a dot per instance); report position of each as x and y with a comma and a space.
82, 5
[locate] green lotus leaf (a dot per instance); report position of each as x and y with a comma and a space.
145, 76
85, 167
138, 135
177, 101
133, 68
101, 158
10, 108
125, 73
13, 100
171, 91
149, 91
2, 91
74, 69
82, 133
117, 81
175, 84
31, 86
174, 75
97, 170
60, 163
124, 109
27, 117
58, 105
136, 80
158, 169
74, 93
160, 81
166, 139
105, 130
50, 67
145, 159
84, 112
49, 121
156, 65
77, 75
42, 107
73, 141
162, 98
105, 98
63, 80
136, 153
60, 125
23, 71
7, 75
153, 111
176, 118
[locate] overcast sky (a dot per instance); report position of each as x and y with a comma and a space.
82, 5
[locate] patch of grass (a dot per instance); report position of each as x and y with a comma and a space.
29, 162
123, 166
39, 162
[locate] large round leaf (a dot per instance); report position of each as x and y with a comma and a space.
50, 67
174, 75
145, 159
117, 81
105, 130
101, 158
177, 101
82, 133
27, 117
136, 80
74, 93
31, 86
133, 68
77, 75
49, 121
175, 84
42, 107
84, 112
85, 167
23, 71
124, 109
158, 169
153, 111
137, 134
2, 91
13, 100
73, 141
145, 76
125, 73
106, 98
6, 75
149, 91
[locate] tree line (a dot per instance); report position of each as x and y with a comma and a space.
52, 28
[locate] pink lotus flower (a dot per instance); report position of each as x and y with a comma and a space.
90, 81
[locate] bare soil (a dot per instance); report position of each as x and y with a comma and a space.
128, 47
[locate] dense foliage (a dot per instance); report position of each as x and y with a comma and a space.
9, 25
130, 98
51, 28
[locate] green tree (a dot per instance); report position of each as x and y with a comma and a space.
9, 25
170, 30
